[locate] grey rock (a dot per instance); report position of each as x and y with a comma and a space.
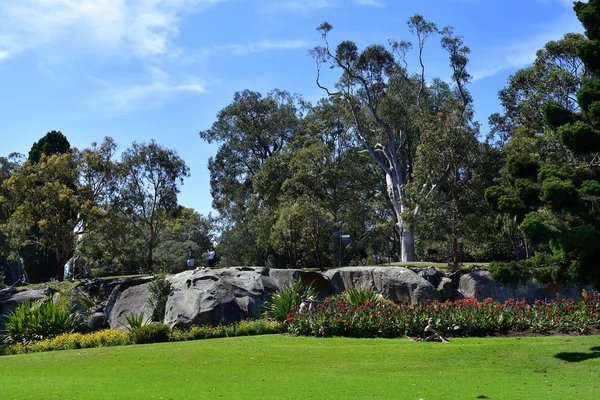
445, 288
230, 294
10, 299
395, 283
127, 298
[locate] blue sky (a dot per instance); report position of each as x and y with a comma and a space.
161, 69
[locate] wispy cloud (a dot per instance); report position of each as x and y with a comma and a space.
264, 45
370, 3
158, 88
306, 6
564, 3
522, 53
138, 28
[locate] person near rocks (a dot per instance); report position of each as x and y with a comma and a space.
431, 334
211, 257
190, 257
306, 305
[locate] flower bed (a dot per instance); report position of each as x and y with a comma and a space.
469, 317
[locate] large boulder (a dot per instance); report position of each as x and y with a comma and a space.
129, 297
229, 294
11, 297
481, 285
395, 283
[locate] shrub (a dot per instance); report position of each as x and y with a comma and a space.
514, 273
358, 296
286, 300
468, 317
135, 321
33, 322
151, 333
160, 288
105, 337
242, 328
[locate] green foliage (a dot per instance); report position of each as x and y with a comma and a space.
589, 92
493, 195
560, 195
151, 333
524, 166
590, 188
159, 291
67, 295
53, 143
529, 192
135, 321
512, 205
67, 341
358, 296
514, 273
286, 300
580, 137
548, 171
535, 228
33, 322
241, 328
555, 115
148, 187
469, 317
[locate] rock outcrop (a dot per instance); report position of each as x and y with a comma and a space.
481, 285
229, 294
395, 283
232, 294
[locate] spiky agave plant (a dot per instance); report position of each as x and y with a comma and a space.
286, 299
31, 322
359, 296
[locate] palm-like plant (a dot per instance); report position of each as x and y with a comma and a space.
30, 322
286, 299
359, 296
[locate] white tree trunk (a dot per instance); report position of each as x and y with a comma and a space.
408, 245
407, 238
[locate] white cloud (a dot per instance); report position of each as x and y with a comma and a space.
264, 45
306, 6
520, 54
370, 3
138, 28
159, 87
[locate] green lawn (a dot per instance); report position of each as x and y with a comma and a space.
283, 367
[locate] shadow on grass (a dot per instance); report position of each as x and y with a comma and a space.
578, 357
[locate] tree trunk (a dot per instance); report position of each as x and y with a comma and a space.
407, 234
408, 245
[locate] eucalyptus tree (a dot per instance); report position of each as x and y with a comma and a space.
384, 103
253, 134
329, 188
555, 76
552, 181
55, 200
150, 176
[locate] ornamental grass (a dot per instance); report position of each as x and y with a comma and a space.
469, 317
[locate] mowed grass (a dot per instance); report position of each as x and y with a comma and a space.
284, 367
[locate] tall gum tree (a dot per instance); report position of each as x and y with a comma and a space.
59, 195
384, 102
253, 133
150, 180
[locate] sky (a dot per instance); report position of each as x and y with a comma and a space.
137, 70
